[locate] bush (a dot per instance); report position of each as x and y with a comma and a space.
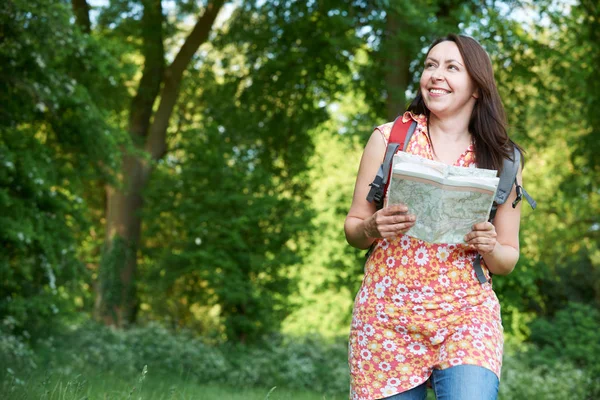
301, 363
558, 381
304, 363
15, 352
127, 351
572, 335
16, 357
570, 338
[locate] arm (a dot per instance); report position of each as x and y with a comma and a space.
498, 244
364, 223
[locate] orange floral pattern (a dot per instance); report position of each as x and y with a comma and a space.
420, 307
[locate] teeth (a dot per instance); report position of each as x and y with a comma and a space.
438, 91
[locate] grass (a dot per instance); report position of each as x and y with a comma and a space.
104, 386
96, 363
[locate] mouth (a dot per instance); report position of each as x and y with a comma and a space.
439, 91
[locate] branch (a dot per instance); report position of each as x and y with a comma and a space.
154, 56
156, 144
198, 36
81, 9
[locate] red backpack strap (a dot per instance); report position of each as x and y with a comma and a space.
399, 131
399, 138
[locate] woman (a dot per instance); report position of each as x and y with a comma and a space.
421, 314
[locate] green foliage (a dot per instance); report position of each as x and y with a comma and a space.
570, 337
242, 158
54, 139
309, 363
15, 352
574, 281
584, 30
332, 270
304, 363
551, 382
38, 260
231, 228
571, 334
126, 352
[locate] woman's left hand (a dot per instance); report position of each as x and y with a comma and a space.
482, 238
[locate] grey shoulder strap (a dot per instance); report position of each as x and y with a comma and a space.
508, 177
411, 130
510, 168
387, 161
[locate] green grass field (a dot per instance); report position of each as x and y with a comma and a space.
110, 386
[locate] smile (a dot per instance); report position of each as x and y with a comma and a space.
438, 91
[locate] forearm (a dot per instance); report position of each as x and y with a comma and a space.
356, 235
502, 260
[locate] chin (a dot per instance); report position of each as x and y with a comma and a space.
436, 110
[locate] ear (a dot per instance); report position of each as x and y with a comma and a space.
476, 94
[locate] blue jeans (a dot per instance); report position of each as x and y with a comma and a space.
462, 382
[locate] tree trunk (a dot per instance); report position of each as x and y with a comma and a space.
397, 63
116, 300
401, 46
81, 9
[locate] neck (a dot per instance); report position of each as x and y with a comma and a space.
454, 128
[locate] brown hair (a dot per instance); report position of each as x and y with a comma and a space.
488, 120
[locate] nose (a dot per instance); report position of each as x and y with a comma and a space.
436, 75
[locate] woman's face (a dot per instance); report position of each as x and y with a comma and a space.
446, 86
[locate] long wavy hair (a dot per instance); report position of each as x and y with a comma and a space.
488, 120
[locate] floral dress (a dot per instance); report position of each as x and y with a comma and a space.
420, 307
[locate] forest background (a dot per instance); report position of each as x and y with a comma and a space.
174, 177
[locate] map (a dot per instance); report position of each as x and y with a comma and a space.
447, 200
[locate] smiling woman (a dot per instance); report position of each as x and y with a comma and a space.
446, 87
421, 314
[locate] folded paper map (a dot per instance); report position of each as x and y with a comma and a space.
447, 200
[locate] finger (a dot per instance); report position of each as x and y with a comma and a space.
470, 236
480, 244
483, 249
395, 228
477, 234
391, 234
483, 242
395, 209
483, 226
404, 226
395, 219
402, 218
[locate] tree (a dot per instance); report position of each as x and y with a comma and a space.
241, 212
116, 300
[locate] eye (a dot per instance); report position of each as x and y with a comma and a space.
453, 67
429, 65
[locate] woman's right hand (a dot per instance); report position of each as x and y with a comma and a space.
389, 222
364, 223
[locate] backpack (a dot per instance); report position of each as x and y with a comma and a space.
401, 134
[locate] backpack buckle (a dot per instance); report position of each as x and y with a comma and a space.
519, 196
376, 192
378, 196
